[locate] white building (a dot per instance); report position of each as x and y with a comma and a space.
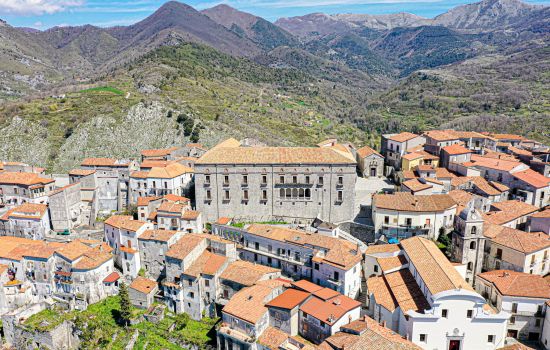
403, 215
174, 178
178, 217
425, 299
394, 146
327, 261
521, 295
27, 220
17, 188
540, 222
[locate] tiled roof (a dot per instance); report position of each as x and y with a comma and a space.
532, 178
462, 198
329, 311
341, 253
28, 211
223, 221
73, 250
412, 156
125, 222
246, 273
106, 162
433, 267
392, 263
25, 179
190, 215
484, 186
499, 186
406, 291
113, 277
506, 136
409, 174
143, 201
139, 174
306, 286
171, 207
274, 155
542, 214
506, 211
456, 149
184, 246
425, 168
157, 235
143, 285
158, 152
326, 293
518, 284
207, 263
249, 303
381, 291
402, 137
81, 172
272, 338
525, 242
442, 173
170, 171
93, 259
415, 185
289, 299
382, 248
402, 201
442, 135
496, 164
367, 151
9, 243
519, 151
175, 198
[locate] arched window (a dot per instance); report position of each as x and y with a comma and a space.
288, 193
474, 230
470, 266
308, 193
295, 193
282, 193
472, 245
301, 193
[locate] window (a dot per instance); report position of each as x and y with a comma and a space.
375, 268
269, 248
444, 313
386, 219
408, 222
336, 276
297, 256
190, 282
282, 179
474, 230
423, 338
257, 246
226, 195
514, 307
282, 193
340, 196
340, 180
490, 338
473, 244
469, 313
207, 179
226, 180
513, 320
470, 266
499, 253
294, 179
321, 181
191, 295
208, 195
308, 193
245, 195
245, 179
264, 195
264, 179
316, 266
307, 179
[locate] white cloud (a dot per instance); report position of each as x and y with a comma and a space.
37, 7
38, 24
306, 3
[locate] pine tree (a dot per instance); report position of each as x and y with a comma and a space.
125, 305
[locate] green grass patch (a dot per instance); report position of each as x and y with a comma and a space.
104, 89
45, 320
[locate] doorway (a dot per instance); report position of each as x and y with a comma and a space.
454, 345
373, 172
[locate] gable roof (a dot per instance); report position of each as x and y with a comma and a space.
366, 151
532, 178
157, 235
289, 299
184, 246
513, 283
248, 304
331, 310
525, 242
456, 149
246, 273
24, 179
403, 201
143, 285
206, 264
402, 137
506, 211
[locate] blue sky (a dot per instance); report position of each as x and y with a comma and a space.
42, 14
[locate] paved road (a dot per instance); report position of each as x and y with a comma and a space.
364, 189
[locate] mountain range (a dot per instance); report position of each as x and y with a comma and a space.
363, 73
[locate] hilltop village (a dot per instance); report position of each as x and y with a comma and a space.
434, 241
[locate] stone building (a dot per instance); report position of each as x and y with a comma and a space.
174, 178
241, 274
147, 206
142, 292
370, 162
17, 188
394, 146
27, 221
88, 193
66, 207
521, 295
113, 180
153, 245
266, 183
174, 216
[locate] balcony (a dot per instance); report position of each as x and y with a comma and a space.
402, 231
285, 257
159, 191
236, 334
334, 282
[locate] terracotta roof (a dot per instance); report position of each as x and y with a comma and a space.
246, 273
190, 215
442, 173
326, 293
382, 293
369, 334
425, 168
125, 222
248, 304
433, 267
499, 155
542, 214
143, 285
519, 151
518, 284
382, 248
409, 174
113, 277
412, 156
143, 201
73, 250
415, 185
169, 172
289, 299
105, 162
175, 198
516, 346
28, 211
525, 242
506, 211
223, 221
392, 263
507, 136
24, 179
341, 253
403, 201
406, 291
402, 137
462, 198
329, 311
171, 207
307, 286
158, 152
184, 246
81, 172
484, 186
442, 135
274, 155
499, 186
272, 338
41, 250
456, 149
469, 134
93, 259
367, 151
139, 174
496, 164
206, 264
157, 235
532, 178
8, 244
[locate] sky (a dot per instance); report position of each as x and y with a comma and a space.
43, 14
